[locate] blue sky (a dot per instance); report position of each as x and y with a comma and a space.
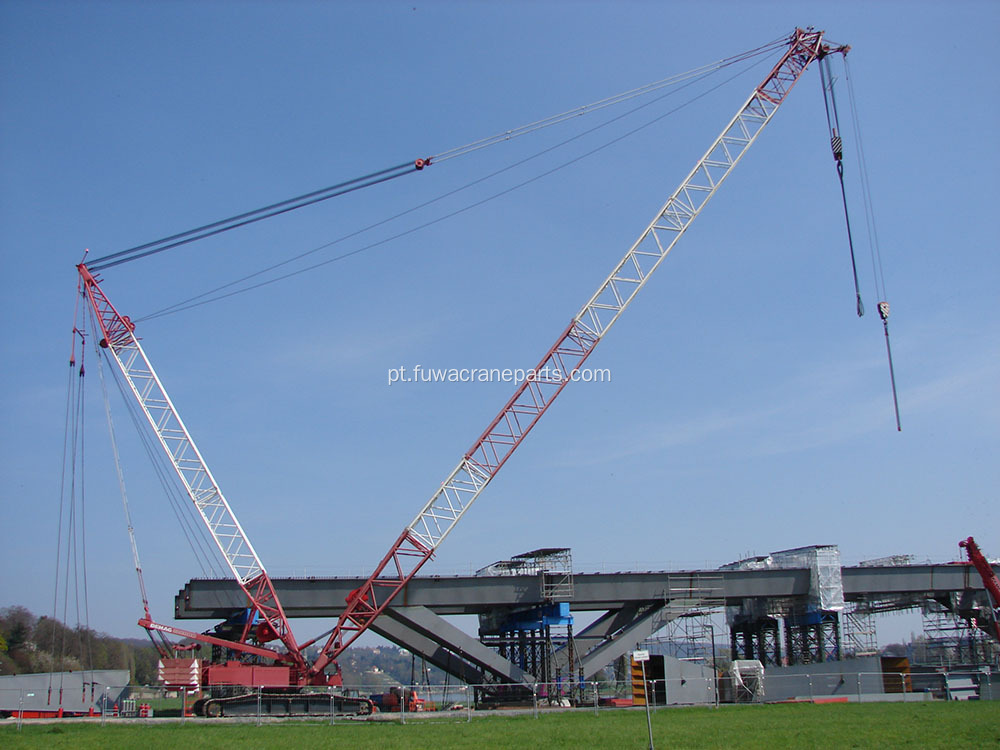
749, 408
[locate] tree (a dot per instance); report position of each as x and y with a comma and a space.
17, 624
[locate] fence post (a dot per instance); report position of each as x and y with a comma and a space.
902, 681
597, 689
259, 689
858, 675
809, 676
184, 704
332, 709
104, 708
534, 699
20, 708
469, 695
402, 706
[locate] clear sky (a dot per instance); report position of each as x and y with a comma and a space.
749, 408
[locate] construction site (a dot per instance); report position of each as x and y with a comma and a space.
531, 631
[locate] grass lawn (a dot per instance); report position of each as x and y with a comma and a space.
870, 725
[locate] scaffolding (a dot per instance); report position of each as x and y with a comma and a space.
531, 637
553, 566
858, 633
688, 638
952, 640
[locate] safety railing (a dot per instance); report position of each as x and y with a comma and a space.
409, 703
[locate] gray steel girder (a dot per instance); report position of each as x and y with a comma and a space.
398, 632
617, 633
422, 622
604, 627
455, 595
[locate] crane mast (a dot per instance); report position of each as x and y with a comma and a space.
442, 512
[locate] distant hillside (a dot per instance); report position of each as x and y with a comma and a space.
386, 666
41, 644
29, 643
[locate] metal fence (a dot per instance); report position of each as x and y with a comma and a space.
463, 702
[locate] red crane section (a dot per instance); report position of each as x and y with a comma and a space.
990, 581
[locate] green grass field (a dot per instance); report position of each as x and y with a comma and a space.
870, 725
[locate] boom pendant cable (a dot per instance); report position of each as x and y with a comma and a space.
390, 173
250, 217
218, 293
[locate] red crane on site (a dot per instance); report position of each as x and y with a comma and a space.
990, 582
288, 670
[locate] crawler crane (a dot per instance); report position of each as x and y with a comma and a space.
270, 657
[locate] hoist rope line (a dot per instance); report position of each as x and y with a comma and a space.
873, 244
850, 240
192, 529
70, 400
833, 125
876, 252
200, 300
84, 636
121, 486
892, 374
72, 549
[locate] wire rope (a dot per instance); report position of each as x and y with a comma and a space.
83, 634
121, 486
249, 217
833, 124
316, 196
206, 297
604, 103
876, 253
191, 528
66, 456
873, 243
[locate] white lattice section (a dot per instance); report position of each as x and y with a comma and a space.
186, 459
659, 238
439, 516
